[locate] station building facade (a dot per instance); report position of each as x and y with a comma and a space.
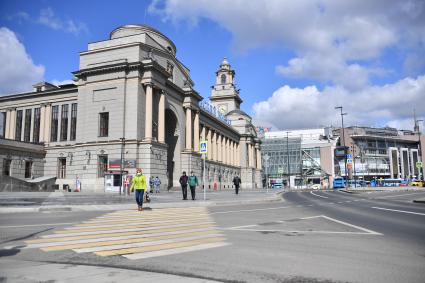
133, 104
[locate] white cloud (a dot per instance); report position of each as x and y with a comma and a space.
18, 72
345, 34
391, 104
64, 82
48, 18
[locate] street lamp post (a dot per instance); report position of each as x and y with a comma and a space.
343, 138
122, 161
266, 158
287, 152
420, 148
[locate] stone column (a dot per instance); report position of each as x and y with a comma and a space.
161, 118
42, 118
148, 112
225, 155
234, 153
12, 124
7, 130
213, 145
209, 138
196, 131
238, 155
250, 155
188, 128
47, 122
259, 165
220, 148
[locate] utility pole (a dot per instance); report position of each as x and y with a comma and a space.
343, 138
122, 161
420, 148
287, 152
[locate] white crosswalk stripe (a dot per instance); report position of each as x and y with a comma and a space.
137, 235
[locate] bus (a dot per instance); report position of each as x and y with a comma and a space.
386, 182
339, 183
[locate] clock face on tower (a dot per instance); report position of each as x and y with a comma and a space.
222, 108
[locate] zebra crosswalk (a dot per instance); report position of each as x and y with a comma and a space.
137, 235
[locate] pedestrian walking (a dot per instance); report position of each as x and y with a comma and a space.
183, 183
151, 184
157, 183
237, 183
139, 184
193, 182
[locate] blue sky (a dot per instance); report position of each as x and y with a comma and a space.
294, 60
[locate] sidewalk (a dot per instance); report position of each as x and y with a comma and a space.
29, 271
60, 201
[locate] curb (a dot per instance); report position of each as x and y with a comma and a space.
109, 207
419, 200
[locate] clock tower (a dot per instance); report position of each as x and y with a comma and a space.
224, 94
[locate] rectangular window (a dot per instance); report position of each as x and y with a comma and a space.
2, 124
103, 124
36, 127
28, 169
18, 129
64, 122
102, 166
27, 127
73, 121
54, 124
61, 168
6, 167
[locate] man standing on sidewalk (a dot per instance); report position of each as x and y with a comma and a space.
237, 183
193, 182
183, 183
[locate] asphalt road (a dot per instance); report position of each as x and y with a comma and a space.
308, 237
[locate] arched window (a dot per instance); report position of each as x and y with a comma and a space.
223, 78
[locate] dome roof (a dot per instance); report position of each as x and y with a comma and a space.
133, 29
238, 111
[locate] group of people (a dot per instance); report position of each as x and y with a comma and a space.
140, 186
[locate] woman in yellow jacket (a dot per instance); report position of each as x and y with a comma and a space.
139, 183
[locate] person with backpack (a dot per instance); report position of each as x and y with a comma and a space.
237, 183
193, 182
139, 184
183, 183
151, 184
157, 183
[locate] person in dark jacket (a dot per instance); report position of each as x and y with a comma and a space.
183, 183
237, 183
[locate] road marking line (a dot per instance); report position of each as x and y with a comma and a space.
403, 195
402, 211
351, 225
58, 235
147, 222
311, 192
131, 219
340, 202
144, 243
113, 239
159, 247
37, 225
366, 231
46, 239
175, 251
250, 210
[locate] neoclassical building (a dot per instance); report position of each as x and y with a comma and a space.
133, 105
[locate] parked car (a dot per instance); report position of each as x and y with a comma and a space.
316, 187
417, 183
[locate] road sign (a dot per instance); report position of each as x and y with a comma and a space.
419, 164
203, 147
349, 161
280, 170
349, 155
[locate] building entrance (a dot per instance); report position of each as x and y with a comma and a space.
173, 153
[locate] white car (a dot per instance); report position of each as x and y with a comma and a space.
316, 187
